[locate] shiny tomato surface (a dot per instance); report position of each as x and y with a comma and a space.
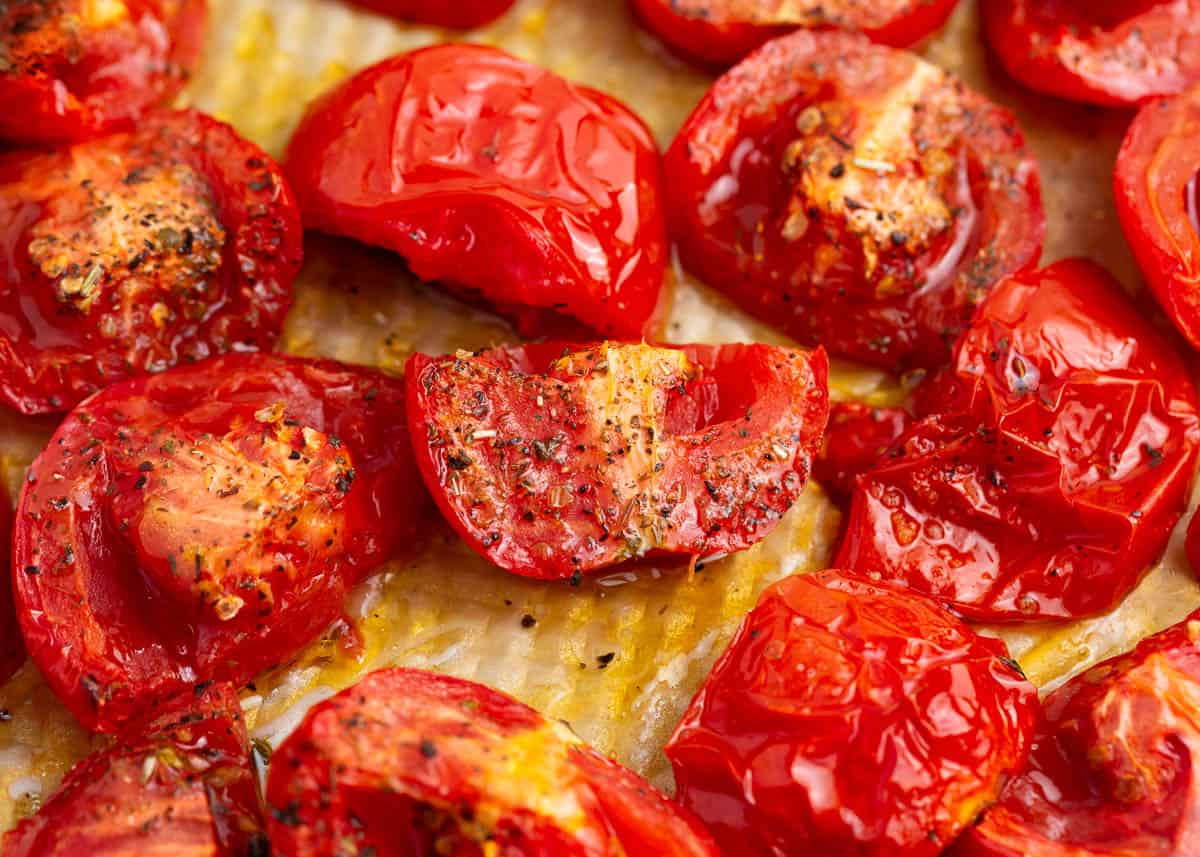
414, 763
721, 32
1158, 199
179, 784
850, 719
496, 178
440, 13
1112, 772
1116, 53
857, 439
206, 523
553, 461
853, 196
73, 69
12, 646
131, 253
1053, 461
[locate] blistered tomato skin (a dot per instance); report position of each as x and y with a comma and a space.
1112, 769
176, 784
721, 32
1116, 54
857, 439
74, 69
554, 461
411, 762
853, 196
12, 647
131, 253
206, 523
849, 719
497, 179
462, 14
1052, 463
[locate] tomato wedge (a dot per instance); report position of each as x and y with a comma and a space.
205, 524
849, 719
857, 439
410, 762
853, 196
12, 646
463, 14
496, 178
1112, 770
131, 253
553, 461
179, 783
1053, 462
73, 69
721, 32
1116, 54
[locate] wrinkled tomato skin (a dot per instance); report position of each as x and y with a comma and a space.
852, 196
131, 253
178, 783
461, 14
1111, 54
407, 758
1156, 195
1112, 768
848, 718
12, 647
554, 461
508, 185
858, 438
721, 32
67, 77
206, 523
1052, 462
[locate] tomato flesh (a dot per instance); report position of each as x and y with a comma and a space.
462, 14
858, 438
12, 646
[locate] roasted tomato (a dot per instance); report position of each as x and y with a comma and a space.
463, 14
1112, 772
720, 32
12, 647
1114, 53
205, 523
72, 69
177, 784
410, 762
553, 461
496, 178
1053, 461
856, 440
849, 718
853, 195
133, 252
1158, 199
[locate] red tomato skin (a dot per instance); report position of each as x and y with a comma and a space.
849, 718
461, 14
153, 483
1114, 55
1156, 195
790, 190
1111, 770
62, 84
524, 192
721, 32
12, 646
858, 437
1052, 463
557, 487
407, 757
179, 783
59, 344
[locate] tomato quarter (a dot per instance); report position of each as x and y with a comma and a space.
73, 69
497, 179
854, 196
849, 719
857, 439
409, 762
205, 524
553, 461
131, 253
12, 647
439, 13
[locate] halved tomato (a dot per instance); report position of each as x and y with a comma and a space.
12, 646
73, 69
1052, 464
850, 719
130, 253
463, 14
205, 524
853, 196
496, 178
554, 461
857, 439
409, 762
179, 783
